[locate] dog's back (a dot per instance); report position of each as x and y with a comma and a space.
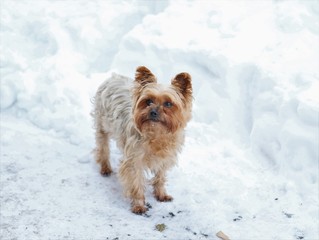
113, 107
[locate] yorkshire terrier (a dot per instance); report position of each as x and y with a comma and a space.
147, 120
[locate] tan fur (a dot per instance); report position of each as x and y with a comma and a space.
147, 120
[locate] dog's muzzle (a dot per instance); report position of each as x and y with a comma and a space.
154, 115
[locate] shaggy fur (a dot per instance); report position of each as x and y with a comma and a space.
147, 121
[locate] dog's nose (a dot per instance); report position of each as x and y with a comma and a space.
153, 114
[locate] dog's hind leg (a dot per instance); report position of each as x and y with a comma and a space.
102, 151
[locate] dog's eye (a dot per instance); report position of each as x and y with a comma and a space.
168, 104
149, 102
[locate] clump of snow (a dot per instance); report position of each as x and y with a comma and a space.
250, 161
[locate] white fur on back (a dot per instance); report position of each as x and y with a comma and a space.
113, 107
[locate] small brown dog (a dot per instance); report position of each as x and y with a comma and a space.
147, 120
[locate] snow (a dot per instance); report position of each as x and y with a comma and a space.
249, 166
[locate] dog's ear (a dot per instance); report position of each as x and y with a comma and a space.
183, 83
144, 76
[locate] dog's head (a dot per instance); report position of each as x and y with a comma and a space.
158, 108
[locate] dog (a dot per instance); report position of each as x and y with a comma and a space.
147, 121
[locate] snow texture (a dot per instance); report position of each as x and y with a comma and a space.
250, 163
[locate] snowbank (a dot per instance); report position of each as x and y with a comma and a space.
255, 76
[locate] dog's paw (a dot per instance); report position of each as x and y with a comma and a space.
139, 209
105, 172
164, 198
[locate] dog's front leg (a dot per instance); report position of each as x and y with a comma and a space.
158, 183
133, 180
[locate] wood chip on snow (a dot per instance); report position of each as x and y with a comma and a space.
222, 235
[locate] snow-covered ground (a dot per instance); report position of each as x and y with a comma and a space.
250, 163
